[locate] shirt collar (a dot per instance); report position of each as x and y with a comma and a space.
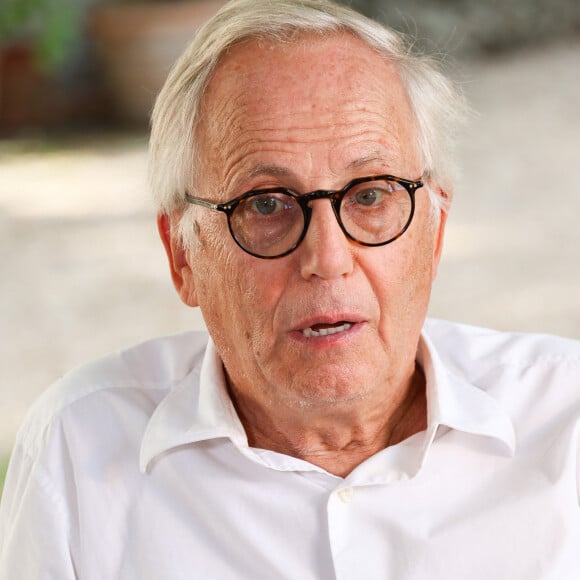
199, 408
454, 402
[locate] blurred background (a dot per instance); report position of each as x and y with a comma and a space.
82, 271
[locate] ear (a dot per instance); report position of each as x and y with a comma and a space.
181, 272
439, 230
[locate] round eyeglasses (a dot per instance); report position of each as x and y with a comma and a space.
271, 223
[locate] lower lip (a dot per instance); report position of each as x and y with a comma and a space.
329, 339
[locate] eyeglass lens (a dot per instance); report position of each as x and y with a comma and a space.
373, 213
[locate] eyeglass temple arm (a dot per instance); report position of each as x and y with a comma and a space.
203, 202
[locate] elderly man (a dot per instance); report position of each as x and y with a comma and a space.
324, 430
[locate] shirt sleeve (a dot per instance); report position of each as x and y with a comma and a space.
34, 524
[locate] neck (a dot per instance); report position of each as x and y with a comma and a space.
336, 437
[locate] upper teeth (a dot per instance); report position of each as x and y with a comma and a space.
310, 332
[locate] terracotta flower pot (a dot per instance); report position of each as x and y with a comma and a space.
136, 45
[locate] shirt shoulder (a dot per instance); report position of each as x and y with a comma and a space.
465, 348
534, 377
135, 378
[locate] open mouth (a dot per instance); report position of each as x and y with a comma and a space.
326, 329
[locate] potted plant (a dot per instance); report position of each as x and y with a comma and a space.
47, 27
136, 43
35, 37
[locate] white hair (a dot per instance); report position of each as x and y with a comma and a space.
437, 105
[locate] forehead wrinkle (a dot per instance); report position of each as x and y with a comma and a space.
246, 162
252, 139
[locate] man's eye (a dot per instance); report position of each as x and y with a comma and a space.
267, 205
369, 196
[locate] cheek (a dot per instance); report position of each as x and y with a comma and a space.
406, 280
234, 290
419, 276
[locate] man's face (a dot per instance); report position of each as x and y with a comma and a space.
306, 116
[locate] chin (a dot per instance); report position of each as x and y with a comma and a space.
328, 388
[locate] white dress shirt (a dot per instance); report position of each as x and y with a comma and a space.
136, 467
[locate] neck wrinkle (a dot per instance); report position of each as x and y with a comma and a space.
339, 446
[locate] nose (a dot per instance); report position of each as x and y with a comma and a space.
325, 252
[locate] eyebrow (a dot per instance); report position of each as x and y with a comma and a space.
370, 158
270, 169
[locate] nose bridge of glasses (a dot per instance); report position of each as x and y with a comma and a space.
320, 194
333, 196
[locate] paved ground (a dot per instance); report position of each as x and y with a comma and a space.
83, 273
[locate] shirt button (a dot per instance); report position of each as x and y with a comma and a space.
345, 494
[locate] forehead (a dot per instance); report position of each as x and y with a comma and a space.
332, 91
